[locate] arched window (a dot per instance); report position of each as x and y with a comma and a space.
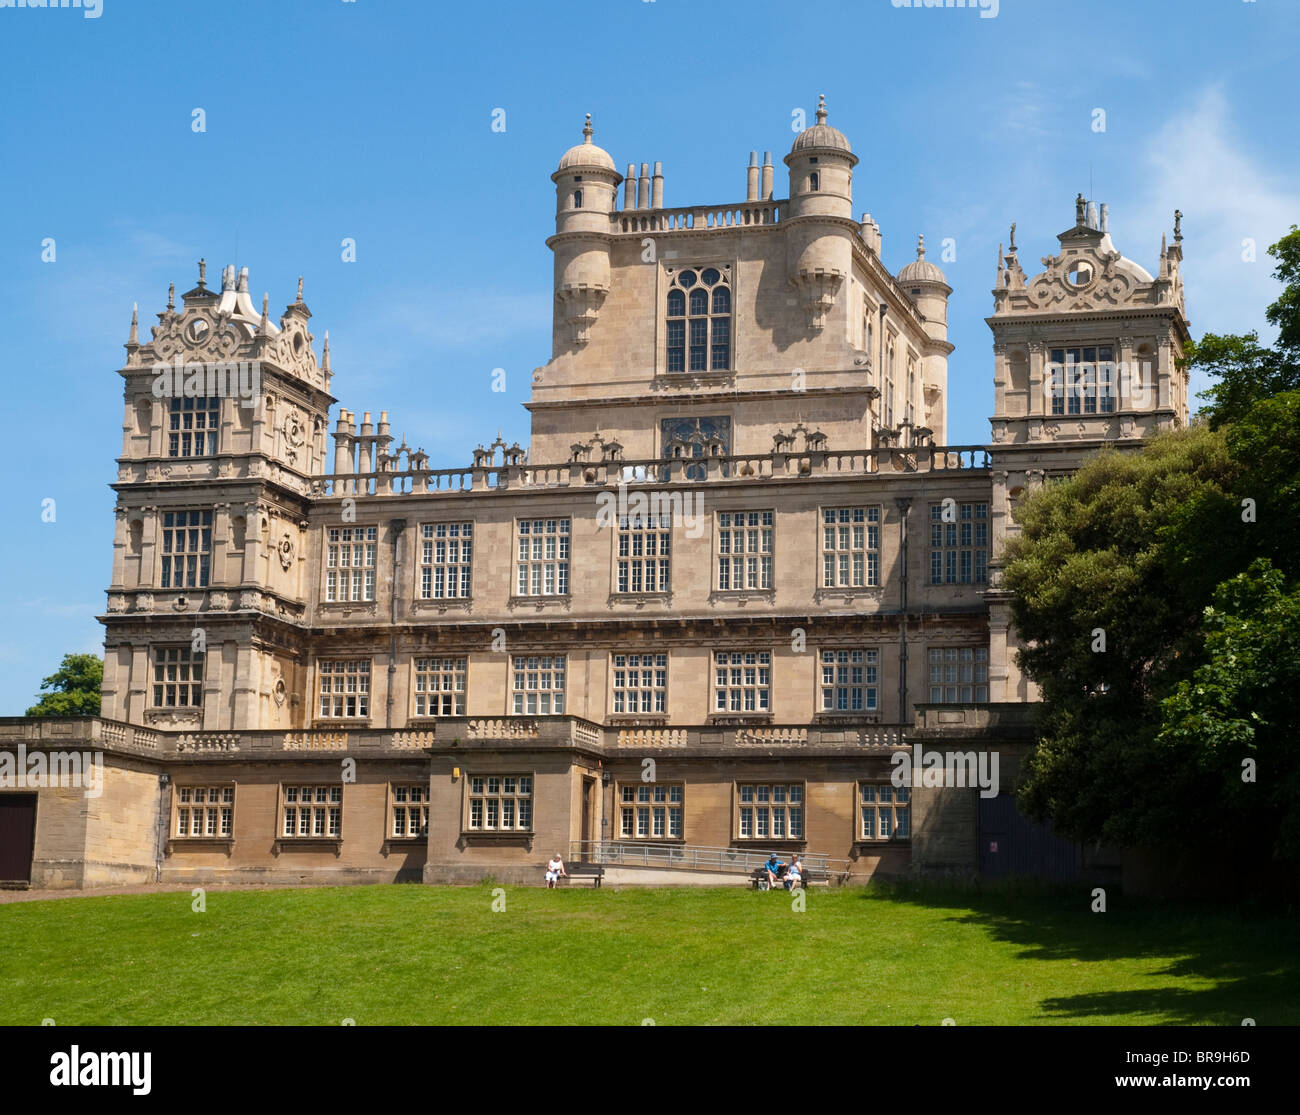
814, 181
699, 321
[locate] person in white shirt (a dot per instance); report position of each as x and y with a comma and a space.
793, 874
554, 870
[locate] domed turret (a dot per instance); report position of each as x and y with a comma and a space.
820, 216
586, 155
586, 189
921, 270
925, 284
821, 166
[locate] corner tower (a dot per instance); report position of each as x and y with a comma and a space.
586, 187
820, 226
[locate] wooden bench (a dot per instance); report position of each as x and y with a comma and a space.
593, 871
759, 878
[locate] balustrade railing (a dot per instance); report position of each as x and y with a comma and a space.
736, 468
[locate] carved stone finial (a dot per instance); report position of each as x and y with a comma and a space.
299, 288
1178, 226
171, 296
1079, 205
203, 273
325, 354
1013, 236
920, 246
587, 130
821, 108
134, 336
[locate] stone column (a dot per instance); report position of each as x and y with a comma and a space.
1038, 404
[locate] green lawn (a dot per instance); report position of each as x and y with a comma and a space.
429, 955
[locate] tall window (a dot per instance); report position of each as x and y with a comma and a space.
192, 426
849, 680
911, 392
742, 681
959, 675
446, 554
745, 543
344, 688
440, 687
644, 544
542, 568
1083, 380
770, 810
699, 321
640, 683
959, 550
651, 812
186, 549
539, 685
888, 409
885, 811
177, 678
410, 810
499, 803
312, 811
205, 811
850, 547
350, 563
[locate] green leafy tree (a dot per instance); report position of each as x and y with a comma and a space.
73, 689
1233, 723
1111, 574
1247, 372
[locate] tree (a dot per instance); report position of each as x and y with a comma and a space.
1234, 720
1111, 574
73, 689
1246, 371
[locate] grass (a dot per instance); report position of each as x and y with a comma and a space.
401, 955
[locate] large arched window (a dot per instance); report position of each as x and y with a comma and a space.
699, 321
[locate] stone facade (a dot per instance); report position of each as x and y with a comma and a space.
736, 571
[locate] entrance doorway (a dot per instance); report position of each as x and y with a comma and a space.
17, 837
588, 813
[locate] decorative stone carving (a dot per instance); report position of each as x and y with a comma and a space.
285, 550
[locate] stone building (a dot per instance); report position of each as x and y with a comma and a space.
737, 570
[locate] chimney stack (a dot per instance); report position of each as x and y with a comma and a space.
643, 187
657, 189
767, 176
751, 178
629, 187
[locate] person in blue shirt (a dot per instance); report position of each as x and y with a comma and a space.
773, 868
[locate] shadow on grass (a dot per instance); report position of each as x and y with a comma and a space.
1250, 959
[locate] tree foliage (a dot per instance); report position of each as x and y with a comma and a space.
1247, 372
73, 689
1184, 557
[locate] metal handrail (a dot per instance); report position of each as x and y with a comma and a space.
687, 856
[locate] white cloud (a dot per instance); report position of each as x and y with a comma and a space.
1197, 164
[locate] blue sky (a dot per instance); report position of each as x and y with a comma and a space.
373, 120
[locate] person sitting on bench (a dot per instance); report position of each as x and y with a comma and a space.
773, 868
794, 874
554, 870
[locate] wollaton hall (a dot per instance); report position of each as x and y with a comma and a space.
734, 572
